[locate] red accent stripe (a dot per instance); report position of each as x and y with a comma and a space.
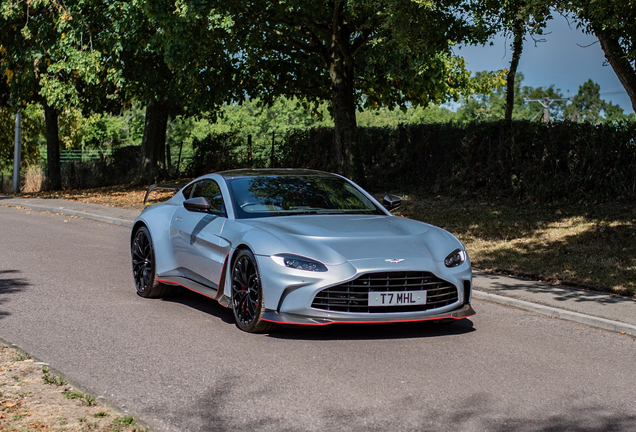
368, 322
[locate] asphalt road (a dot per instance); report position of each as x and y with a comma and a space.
67, 297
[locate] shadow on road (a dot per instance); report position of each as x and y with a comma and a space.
424, 329
202, 304
9, 284
216, 411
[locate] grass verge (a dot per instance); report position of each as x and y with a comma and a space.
588, 245
34, 399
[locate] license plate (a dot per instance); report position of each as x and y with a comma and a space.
401, 298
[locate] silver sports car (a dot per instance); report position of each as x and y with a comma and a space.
289, 246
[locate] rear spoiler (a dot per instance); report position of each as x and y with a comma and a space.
169, 186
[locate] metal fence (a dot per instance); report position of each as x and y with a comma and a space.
86, 155
78, 155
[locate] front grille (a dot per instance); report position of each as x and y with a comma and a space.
353, 296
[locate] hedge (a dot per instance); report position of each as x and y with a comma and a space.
553, 161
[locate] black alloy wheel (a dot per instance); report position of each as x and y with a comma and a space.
143, 266
247, 294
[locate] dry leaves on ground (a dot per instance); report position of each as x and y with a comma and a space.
29, 403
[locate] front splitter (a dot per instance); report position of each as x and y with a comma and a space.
282, 318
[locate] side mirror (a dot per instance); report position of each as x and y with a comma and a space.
391, 202
198, 204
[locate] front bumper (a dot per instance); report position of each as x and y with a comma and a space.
464, 311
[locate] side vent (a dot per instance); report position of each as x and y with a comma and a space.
467, 292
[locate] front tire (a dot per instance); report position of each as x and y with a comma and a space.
144, 267
247, 294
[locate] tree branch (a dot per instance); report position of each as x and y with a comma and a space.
337, 29
294, 42
360, 42
318, 28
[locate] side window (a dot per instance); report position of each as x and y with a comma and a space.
209, 189
188, 191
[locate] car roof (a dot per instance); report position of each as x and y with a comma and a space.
251, 172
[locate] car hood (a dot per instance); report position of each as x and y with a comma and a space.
334, 239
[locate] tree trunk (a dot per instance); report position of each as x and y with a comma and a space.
617, 59
153, 145
344, 114
53, 165
517, 47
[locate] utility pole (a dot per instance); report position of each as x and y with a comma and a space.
545, 103
17, 155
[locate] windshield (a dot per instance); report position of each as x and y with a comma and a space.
265, 196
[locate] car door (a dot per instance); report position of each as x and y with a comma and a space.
196, 236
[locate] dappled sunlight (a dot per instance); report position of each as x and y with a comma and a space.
113, 196
565, 251
586, 245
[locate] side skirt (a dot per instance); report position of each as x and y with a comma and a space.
189, 284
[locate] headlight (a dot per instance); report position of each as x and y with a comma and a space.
455, 258
299, 263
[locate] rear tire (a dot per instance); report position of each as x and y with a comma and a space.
247, 294
144, 267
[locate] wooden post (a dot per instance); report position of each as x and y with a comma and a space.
249, 150
179, 159
271, 158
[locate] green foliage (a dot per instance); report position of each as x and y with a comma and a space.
214, 153
504, 15
71, 394
77, 131
32, 136
124, 421
48, 53
283, 115
402, 48
112, 131
52, 379
612, 21
588, 106
393, 117
613, 16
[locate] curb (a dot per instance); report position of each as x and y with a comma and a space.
580, 318
70, 212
